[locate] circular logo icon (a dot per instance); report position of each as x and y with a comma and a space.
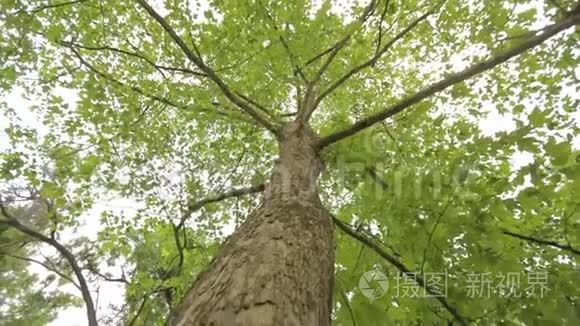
373, 284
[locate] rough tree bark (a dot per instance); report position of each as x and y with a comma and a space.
277, 268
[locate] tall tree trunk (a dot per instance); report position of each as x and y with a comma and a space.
277, 268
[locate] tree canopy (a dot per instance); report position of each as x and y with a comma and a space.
175, 106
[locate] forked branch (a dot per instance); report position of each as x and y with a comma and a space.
451, 80
311, 97
211, 74
154, 97
374, 58
46, 266
197, 205
340, 44
158, 67
11, 221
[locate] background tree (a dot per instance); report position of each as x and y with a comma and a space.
28, 298
185, 107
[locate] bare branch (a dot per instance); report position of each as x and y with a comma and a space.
400, 266
318, 56
207, 70
9, 220
308, 105
312, 91
543, 242
180, 248
451, 80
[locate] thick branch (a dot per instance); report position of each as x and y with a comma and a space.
70, 258
451, 80
207, 70
543, 242
400, 266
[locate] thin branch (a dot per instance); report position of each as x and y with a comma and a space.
256, 104
397, 146
141, 92
374, 58
400, 266
375, 176
347, 303
430, 238
543, 242
139, 311
246, 59
110, 140
381, 20
340, 44
54, 6
45, 265
291, 56
207, 70
318, 56
107, 277
450, 80
312, 91
195, 206
133, 54
70, 258
180, 248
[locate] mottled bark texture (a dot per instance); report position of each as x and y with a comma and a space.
277, 268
